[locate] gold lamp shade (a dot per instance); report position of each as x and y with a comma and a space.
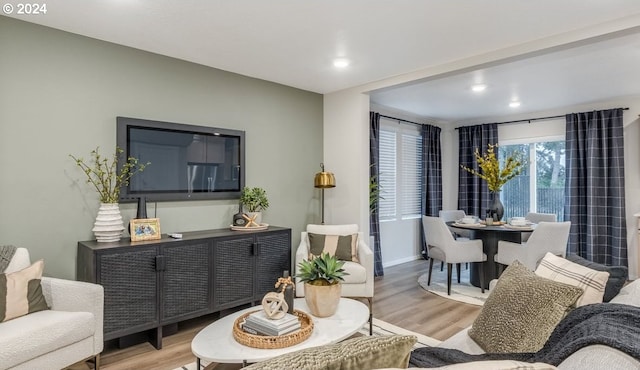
323, 180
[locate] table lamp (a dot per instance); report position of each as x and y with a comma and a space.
323, 180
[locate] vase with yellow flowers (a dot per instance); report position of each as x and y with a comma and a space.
107, 179
495, 175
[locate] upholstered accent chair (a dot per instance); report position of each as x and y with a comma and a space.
546, 237
442, 246
67, 333
359, 282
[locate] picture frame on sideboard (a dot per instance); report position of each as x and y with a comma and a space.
145, 229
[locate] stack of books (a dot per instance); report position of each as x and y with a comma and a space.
258, 323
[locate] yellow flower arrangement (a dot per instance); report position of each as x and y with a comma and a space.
490, 170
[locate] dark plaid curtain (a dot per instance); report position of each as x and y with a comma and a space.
594, 187
473, 192
431, 175
374, 218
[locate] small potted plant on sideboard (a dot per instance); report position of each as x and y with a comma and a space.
254, 200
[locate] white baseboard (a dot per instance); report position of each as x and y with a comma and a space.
400, 261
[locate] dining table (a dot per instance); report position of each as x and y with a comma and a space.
490, 236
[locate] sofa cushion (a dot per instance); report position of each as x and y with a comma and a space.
21, 292
522, 311
344, 247
618, 275
357, 353
562, 270
42, 332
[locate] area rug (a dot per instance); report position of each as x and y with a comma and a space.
461, 292
380, 328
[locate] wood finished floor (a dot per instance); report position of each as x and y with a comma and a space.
399, 300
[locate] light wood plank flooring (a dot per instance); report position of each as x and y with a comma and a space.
399, 300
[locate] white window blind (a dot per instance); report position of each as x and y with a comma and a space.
387, 173
411, 175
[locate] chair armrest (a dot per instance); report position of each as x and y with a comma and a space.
302, 253
365, 256
77, 296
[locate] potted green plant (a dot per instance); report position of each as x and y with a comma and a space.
103, 174
254, 200
321, 276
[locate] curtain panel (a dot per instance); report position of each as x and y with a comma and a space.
431, 202
594, 187
374, 218
473, 192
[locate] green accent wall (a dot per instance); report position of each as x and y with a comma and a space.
60, 94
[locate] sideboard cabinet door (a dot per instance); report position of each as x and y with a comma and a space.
233, 271
273, 258
130, 284
185, 280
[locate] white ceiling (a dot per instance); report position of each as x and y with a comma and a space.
293, 42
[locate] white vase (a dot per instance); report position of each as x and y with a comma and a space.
108, 226
256, 217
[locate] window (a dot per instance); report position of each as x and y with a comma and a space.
540, 187
400, 171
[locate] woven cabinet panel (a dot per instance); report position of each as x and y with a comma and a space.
130, 289
273, 259
186, 279
233, 272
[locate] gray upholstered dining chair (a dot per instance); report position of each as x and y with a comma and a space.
536, 218
547, 237
449, 215
443, 247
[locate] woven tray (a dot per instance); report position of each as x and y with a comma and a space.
271, 342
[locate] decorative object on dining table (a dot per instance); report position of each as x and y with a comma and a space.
324, 180
494, 175
288, 289
105, 178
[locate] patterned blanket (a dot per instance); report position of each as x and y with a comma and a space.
6, 254
609, 324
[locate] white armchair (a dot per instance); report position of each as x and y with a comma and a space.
359, 282
70, 332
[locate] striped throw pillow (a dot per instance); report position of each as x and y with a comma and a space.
21, 292
344, 247
564, 271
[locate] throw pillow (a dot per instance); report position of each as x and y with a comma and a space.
499, 365
564, 271
344, 247
522, 311
618, 275
21, 292
390, 351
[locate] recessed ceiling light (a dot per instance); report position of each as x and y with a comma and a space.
341, 63
478, 87
514, 104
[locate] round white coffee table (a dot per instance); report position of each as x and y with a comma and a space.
215, 342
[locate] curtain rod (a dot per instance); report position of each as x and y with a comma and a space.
529, 120
403, 120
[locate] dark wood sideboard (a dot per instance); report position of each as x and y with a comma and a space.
149, 285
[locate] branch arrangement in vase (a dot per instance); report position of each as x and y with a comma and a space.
104, 176
490, 169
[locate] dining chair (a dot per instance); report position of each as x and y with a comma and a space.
536, 218
450, 215
442, 246
546, 237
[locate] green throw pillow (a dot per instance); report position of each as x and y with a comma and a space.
344, 247
522, 311
390, 351
21, 292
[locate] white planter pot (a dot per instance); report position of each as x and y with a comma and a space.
108, 226
258, 218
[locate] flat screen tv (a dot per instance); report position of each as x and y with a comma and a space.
188, 162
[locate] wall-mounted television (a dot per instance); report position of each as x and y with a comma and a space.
188, 162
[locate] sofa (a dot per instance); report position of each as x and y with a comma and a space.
69, 331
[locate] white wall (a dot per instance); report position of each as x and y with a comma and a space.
60, 94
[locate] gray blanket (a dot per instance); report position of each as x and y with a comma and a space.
6, 254
609, 324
